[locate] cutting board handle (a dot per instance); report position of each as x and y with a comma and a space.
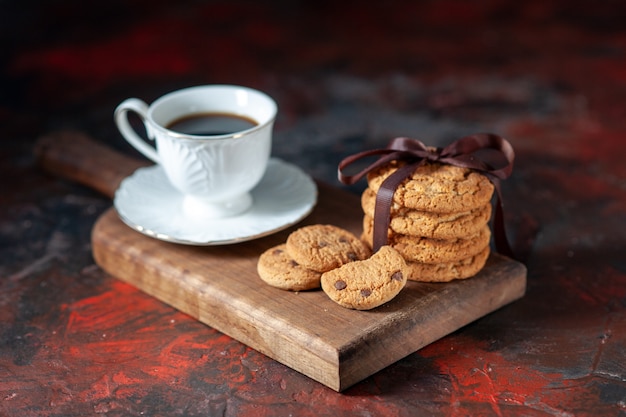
77, 157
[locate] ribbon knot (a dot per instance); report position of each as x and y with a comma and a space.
487, 153
434, 154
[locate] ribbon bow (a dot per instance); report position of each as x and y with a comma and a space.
463, 153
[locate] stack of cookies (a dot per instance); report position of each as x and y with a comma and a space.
439, 220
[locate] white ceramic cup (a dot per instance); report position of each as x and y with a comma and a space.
215, 173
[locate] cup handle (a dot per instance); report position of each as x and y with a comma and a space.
121, 120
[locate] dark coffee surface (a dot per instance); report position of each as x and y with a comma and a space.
211, 124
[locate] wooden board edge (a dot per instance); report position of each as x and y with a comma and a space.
317, 361
362, 359
336, 367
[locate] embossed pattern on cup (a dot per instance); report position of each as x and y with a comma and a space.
215, 173
202, 168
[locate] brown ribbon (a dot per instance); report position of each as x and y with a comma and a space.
461, 153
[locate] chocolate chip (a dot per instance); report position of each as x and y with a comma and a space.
352, 256
343, 240
365, 293
396, 276
277, 252
293, 263
322, 244
340, 285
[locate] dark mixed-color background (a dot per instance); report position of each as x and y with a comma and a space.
348, 76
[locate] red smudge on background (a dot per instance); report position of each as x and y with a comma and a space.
146, 50
487, 381
175, 44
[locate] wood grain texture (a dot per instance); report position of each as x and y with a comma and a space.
76, 156
306, 331
219, 286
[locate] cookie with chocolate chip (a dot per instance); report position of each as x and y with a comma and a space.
448, 271
407, 221
429, 250
322, 247
279, 270
437, 188
366, 284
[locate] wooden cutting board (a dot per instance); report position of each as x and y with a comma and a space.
219, 285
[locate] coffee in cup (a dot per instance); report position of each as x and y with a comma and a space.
211, 124
213, 142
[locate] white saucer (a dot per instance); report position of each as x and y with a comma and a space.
147, 202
